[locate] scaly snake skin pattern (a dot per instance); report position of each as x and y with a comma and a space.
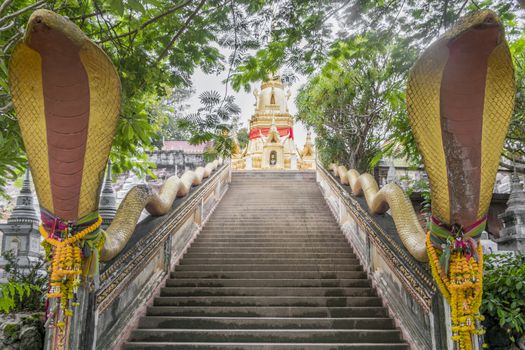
440, 135
142, 196
390, 196
51, 98
460, 99
66, 94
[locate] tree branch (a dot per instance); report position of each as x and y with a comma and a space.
8, 107
234, 55
148, 22
181, 30
461, 9
5, 4
11, 41
16, 13
7, 26
443, 21
109, 26
83, 17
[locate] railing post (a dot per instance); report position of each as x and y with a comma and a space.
81, 332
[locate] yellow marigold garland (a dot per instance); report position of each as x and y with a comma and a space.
66, 266
462, 287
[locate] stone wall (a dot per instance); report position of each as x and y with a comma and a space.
405, 285
176, 162
129, 284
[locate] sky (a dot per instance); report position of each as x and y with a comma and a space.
245, 100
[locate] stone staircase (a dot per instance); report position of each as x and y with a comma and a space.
270, 270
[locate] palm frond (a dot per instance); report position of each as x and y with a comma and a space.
210, 98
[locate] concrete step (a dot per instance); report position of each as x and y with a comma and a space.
254, 218
229, 237
276, 234
300, 208
265, 261
268, 311
313, 301
273, 231
267, 267
299, 228
266, 291
261, 209
268, 250
275, 256
263, 215
283, 245
270, 270
327, 283
163, 322
266, 335
264, 346
224, 234
270, 274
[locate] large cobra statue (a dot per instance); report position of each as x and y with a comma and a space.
460, 99
66, 94
392, 197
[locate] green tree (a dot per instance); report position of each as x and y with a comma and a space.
351, 102
515, 142
170, 110
212, 123
421, 22
243, 136
25, 288
504, 297
156, 46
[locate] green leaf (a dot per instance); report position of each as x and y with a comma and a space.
136, 5
117, 6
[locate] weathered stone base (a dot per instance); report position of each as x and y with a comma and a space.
405, 285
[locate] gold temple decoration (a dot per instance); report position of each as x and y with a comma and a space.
379, 201
271, 139
460, 99
66, 93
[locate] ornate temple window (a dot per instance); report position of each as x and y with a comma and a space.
273, 158
14, 246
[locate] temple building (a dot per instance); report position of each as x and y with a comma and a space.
20, 234
177, 157
271, 144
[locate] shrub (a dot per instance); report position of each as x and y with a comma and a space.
26, 287
13, 293
504, 298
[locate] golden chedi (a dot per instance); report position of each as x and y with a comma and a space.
308, 153
271, 144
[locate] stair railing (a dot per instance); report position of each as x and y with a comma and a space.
129, 283
405, 285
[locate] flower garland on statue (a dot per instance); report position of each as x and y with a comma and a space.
73, 249
456, 260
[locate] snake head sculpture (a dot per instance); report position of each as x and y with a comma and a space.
66, 94
460, 100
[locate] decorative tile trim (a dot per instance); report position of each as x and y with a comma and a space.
415, 277
128, 265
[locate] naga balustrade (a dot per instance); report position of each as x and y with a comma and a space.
459, 124
404, 284
129, 282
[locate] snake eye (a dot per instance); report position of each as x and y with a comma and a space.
489, 19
